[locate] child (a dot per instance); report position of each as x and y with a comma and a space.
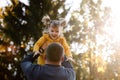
52, 33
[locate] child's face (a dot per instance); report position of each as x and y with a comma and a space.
54, 32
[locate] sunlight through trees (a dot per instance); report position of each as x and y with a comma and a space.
92, 32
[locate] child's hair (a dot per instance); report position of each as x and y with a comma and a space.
48, 23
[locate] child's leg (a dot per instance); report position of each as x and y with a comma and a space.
41, 60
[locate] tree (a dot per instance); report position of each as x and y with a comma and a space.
20, 28
87, 26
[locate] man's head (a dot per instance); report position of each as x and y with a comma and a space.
54, 52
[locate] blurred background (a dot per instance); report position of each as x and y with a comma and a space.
92, 32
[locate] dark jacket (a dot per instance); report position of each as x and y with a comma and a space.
46, 72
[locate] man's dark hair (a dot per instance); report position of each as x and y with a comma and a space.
54, 52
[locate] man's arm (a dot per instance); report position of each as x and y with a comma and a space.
28, 67
30, 57
67, 63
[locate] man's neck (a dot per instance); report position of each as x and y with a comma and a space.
53, 63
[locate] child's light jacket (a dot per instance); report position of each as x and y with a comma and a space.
46, 39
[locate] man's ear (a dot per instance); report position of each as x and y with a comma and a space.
62, 59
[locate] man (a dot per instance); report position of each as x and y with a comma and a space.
52, 70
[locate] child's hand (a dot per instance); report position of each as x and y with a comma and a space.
71, 59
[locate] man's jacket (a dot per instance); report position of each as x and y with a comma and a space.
47, 71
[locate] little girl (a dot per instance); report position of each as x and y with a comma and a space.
52, 33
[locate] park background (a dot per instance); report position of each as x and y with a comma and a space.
92, 33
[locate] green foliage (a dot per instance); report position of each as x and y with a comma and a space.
86, 23
22, 26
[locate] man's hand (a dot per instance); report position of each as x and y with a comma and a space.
36, 53
71, 59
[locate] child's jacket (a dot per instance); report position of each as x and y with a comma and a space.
46, 39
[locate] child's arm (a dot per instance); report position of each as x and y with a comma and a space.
38, 44
66, 47
67, 50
